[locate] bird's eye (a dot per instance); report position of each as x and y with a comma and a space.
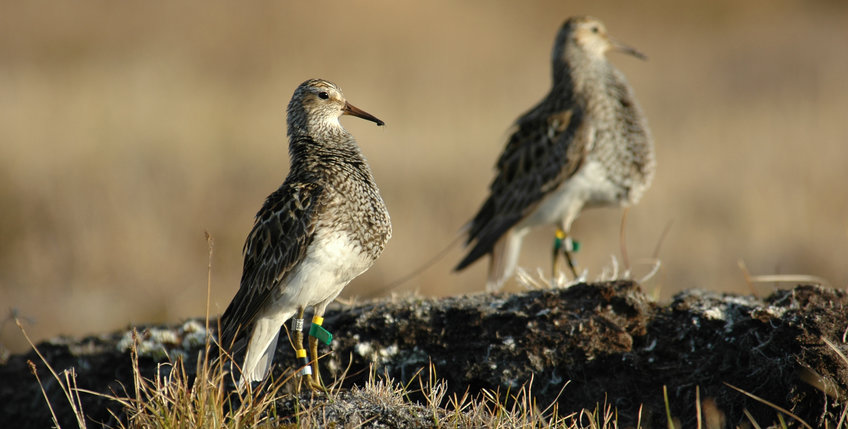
595, 30
323, 95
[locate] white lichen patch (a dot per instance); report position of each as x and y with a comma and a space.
389, 351
163, 336
510, 379
774, 311
509, 342
374, 354
497, 303
536, 362
365, 350
715, 313
332, 365
161, 344
543, 312
194, 334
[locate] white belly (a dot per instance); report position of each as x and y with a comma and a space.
588, 187
331, 262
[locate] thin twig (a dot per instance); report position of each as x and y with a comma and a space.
80, 419
667, 408
622, 239
770, 404
698, 406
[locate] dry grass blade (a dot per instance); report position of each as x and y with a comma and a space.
34, 371
747, 276
661, 240
835, 349
622, 238
667, 408
751, 419
74, 391
770, 404
68, 388
826, 385
553, 407
842, 417
789, 278
845, 360
655, 264
778, 278
434, 390
698, 407
611, 272
639, 418
211, 244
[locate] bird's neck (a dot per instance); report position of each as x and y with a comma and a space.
579, 73
326, 128
309, 153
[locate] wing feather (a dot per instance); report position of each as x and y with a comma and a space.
544, 150
283, 230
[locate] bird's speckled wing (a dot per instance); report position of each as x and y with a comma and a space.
545, 149
282, 231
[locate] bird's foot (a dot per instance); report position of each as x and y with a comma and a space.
317, 333
314, 382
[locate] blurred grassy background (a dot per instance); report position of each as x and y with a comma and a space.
129, 128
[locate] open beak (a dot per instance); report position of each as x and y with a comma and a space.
621, 47
352, 110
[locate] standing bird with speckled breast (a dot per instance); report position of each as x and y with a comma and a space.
586, 144
324, 226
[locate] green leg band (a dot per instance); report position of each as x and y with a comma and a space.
321, 334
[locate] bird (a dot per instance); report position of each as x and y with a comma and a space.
585, 144
325, 225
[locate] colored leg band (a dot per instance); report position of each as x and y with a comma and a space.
320, 333
297, 325
566, 243
303, 362
558, 239
317, 320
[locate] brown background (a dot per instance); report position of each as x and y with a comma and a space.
129, 129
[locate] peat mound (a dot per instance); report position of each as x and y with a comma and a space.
584, 346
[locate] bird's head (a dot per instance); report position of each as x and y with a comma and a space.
318, 103
588, 37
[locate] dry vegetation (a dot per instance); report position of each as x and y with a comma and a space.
127, 129
176, 392
175, 398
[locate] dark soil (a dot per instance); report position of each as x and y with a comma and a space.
605, 342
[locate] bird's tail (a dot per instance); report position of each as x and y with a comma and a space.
503, 260
260, 351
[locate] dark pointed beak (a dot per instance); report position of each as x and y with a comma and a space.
621, 47
352, 110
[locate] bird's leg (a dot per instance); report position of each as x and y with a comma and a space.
317, 332
559, 247
567, 252
555, 261
563, 244
313, 354
299, 351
